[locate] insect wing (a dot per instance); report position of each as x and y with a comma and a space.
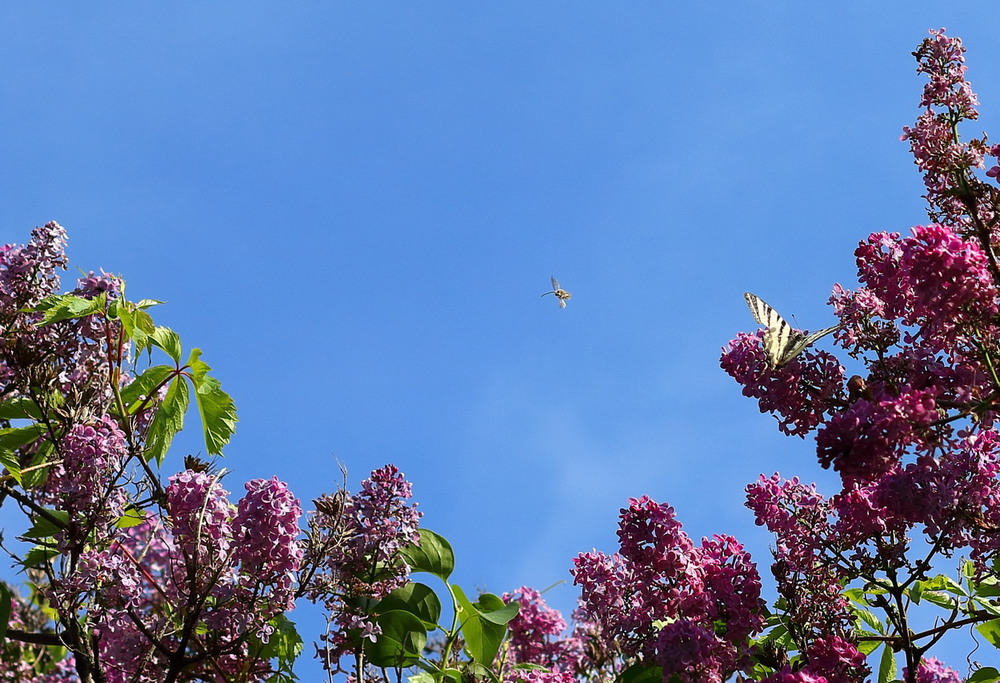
762, 313
555, 284
562, 303
799, 343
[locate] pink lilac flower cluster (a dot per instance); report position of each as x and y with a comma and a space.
663, 600
535, 635
373, 525
193, 593
800, 394
28, 273
83, 482
932, 670
947, 100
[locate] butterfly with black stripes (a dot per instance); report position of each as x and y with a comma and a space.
782, 343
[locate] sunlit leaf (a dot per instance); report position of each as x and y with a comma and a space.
433, 555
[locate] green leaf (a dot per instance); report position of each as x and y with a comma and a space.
415, 598
4, 610
146, 384
284, 645
38, 556
131, 517
987, 674
218, 412
990, 631
168, 340
168, 420
45, 526
10, 462
433, 555
483, 633
887, 665
866, 647
67, 306
641, 673
16, 437
19, 408
402, 640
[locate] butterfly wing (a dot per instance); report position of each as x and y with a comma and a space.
782, 343
779, 335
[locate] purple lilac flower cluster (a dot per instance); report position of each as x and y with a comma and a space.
366, 533
663, 600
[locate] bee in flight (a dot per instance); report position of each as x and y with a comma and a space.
560, 293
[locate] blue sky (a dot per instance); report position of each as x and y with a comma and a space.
353, 209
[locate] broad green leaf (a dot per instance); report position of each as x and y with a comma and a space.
284, 645
990, 631
887, 665
433, 555
19, 408
641, 673
148, 303
866, 647
987, 674
402, 640
67, 306
415, 598
145, 385
44, 526
131, 517
168, 340
4, 610
38, 556
868, 618
483, 635
495, 610
168, 420
9, 462
218, 412
943, 583
15, 437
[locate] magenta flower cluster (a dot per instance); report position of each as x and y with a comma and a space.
663, 600
535, 636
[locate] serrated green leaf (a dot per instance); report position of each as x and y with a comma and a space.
402, 640
887, 665
166, 339
415, 598
38, 556
45, 526
16, 437
68, 306
867, 617
168, 420
4, 610
218, 411
990, 630
146, 384
19, 408
433, 555
987, 674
